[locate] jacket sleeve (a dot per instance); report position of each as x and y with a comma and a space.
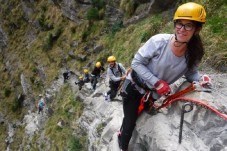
141, 61
192, 75
112, 76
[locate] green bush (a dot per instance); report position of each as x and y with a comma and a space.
17, 104
128, 6
56, 34
217, 24
43, 8
92, 14
100, 128
117, 26
99, 4
85, 34
32, 79
75, 144
48, 43
73, 30
144, 37
34, 69
44, 24
7, 92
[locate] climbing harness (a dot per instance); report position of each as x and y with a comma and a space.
184, 109
118, 68
145, 98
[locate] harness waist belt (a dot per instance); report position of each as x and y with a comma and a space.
138, 81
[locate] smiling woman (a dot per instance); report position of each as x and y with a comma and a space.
192, 16
162, 60
183, 35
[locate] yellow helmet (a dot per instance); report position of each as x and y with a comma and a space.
98, 64
86, 71
191, 11
81, 77
111, 59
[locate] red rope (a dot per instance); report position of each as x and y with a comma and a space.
224, 116
190, 88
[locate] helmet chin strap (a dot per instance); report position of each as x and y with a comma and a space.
178, 43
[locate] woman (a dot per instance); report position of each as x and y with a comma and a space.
162, 60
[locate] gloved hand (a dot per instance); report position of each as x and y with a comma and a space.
162, 87
205, 81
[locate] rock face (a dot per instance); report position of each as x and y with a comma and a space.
200, 128
159, 132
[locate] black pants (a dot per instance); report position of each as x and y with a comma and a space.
40, 109
66, 75
131, 101
94, 81
114, 86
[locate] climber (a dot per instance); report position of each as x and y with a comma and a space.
116, 73
162, 60
95, 74
67, 74
80, 83
86, 76
40, 104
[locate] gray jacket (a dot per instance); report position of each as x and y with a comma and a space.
115, 74
155, 61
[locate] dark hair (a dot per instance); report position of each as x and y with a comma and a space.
195, 50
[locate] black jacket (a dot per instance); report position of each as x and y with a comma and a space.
96, 72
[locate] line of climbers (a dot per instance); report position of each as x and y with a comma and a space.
116, 72
162, 60
97, 72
